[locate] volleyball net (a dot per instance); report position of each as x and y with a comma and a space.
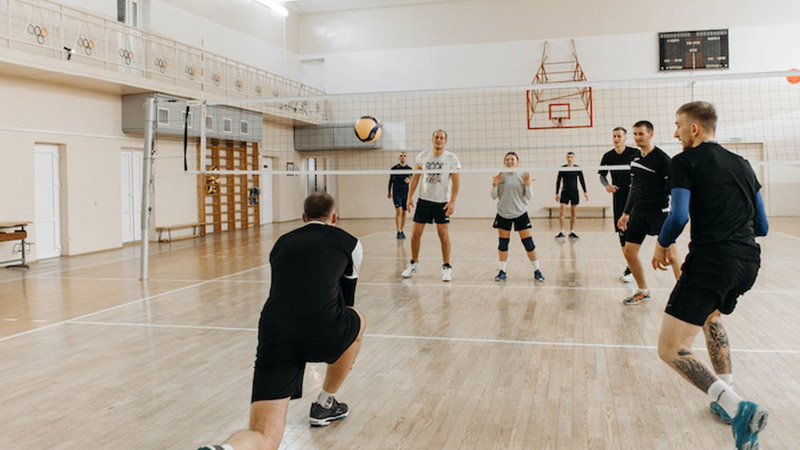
759, 117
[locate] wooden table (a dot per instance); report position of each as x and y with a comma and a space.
15, 231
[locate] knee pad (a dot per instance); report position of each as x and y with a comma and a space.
528, 243
503, 246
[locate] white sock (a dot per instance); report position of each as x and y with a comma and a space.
503, 266
723, 394
726, 377
535, 264
325, 399
226, 447
562, 232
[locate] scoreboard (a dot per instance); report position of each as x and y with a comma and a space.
688, 50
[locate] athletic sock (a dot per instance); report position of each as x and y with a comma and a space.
503, 266
535, 264
325, 399
723, 394
226, 447
726, 377
562, 232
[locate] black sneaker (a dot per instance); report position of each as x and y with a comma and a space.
560, 235
538, 276
572, 235
210, 447
401, 235
320, 417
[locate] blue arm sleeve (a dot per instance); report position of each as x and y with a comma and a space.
678, 217
762, 226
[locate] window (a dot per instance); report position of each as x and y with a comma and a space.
227, 125
183, 119
244, 126
163, 116
129, 12
209, 122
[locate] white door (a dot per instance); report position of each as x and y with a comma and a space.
265, 185
131, 201
46, 202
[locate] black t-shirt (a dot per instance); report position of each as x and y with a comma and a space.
619, 178
308, 266
723, 203
649, 193
570, 179
397, 183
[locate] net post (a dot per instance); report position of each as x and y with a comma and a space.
202, 162
147, 177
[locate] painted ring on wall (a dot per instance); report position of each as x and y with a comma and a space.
191, 72
31, 28
44, 32
161, 63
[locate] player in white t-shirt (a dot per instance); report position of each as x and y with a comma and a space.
437, 200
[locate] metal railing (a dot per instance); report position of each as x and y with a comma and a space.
62, 32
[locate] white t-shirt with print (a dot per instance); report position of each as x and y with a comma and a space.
435, 186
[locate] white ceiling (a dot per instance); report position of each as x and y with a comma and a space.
318, 6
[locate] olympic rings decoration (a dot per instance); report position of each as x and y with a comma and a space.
87, 45
191, 72
161, 63
216, 78
239, 85
39, 32
127, 55
257, 89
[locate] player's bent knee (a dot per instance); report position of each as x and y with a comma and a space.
503, 244
528, 244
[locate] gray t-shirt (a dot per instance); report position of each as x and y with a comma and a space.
435, 185
512, 196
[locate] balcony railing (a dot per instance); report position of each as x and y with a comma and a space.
62, 32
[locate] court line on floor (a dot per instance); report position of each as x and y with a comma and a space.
181, 280
546, 287
132, 302
787, 235
433, 338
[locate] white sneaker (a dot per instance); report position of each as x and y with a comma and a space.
447, 273
411, 269
626, 278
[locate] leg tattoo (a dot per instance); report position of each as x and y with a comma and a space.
693, 370
719, 349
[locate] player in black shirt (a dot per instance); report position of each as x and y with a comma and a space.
646, 207
720, 192
308, 317
398, 192
620, 155
568, 194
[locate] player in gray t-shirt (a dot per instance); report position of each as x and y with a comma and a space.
512, 191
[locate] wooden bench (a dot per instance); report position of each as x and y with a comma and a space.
581, 210
17, 233
198, 230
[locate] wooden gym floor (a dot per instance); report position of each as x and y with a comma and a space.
92, 358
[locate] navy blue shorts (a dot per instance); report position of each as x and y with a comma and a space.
400, 199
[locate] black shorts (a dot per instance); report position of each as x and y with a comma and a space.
708, 283
400, 199
570, 196
644, 224
522, 222
279, 367
430, 212
620, 198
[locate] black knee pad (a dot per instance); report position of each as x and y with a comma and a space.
503, 246
528, 243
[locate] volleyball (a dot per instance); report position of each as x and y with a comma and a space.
368, 129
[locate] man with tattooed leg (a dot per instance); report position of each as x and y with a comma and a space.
720, 192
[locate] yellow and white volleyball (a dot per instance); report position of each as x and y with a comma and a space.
368, 129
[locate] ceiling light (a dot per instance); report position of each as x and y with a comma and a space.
276, 7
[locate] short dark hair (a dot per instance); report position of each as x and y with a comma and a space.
644, 123
701, 112
571, 153
511, 153
438, 130
318, 205
620, 129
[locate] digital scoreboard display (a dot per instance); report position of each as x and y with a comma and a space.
690, 50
